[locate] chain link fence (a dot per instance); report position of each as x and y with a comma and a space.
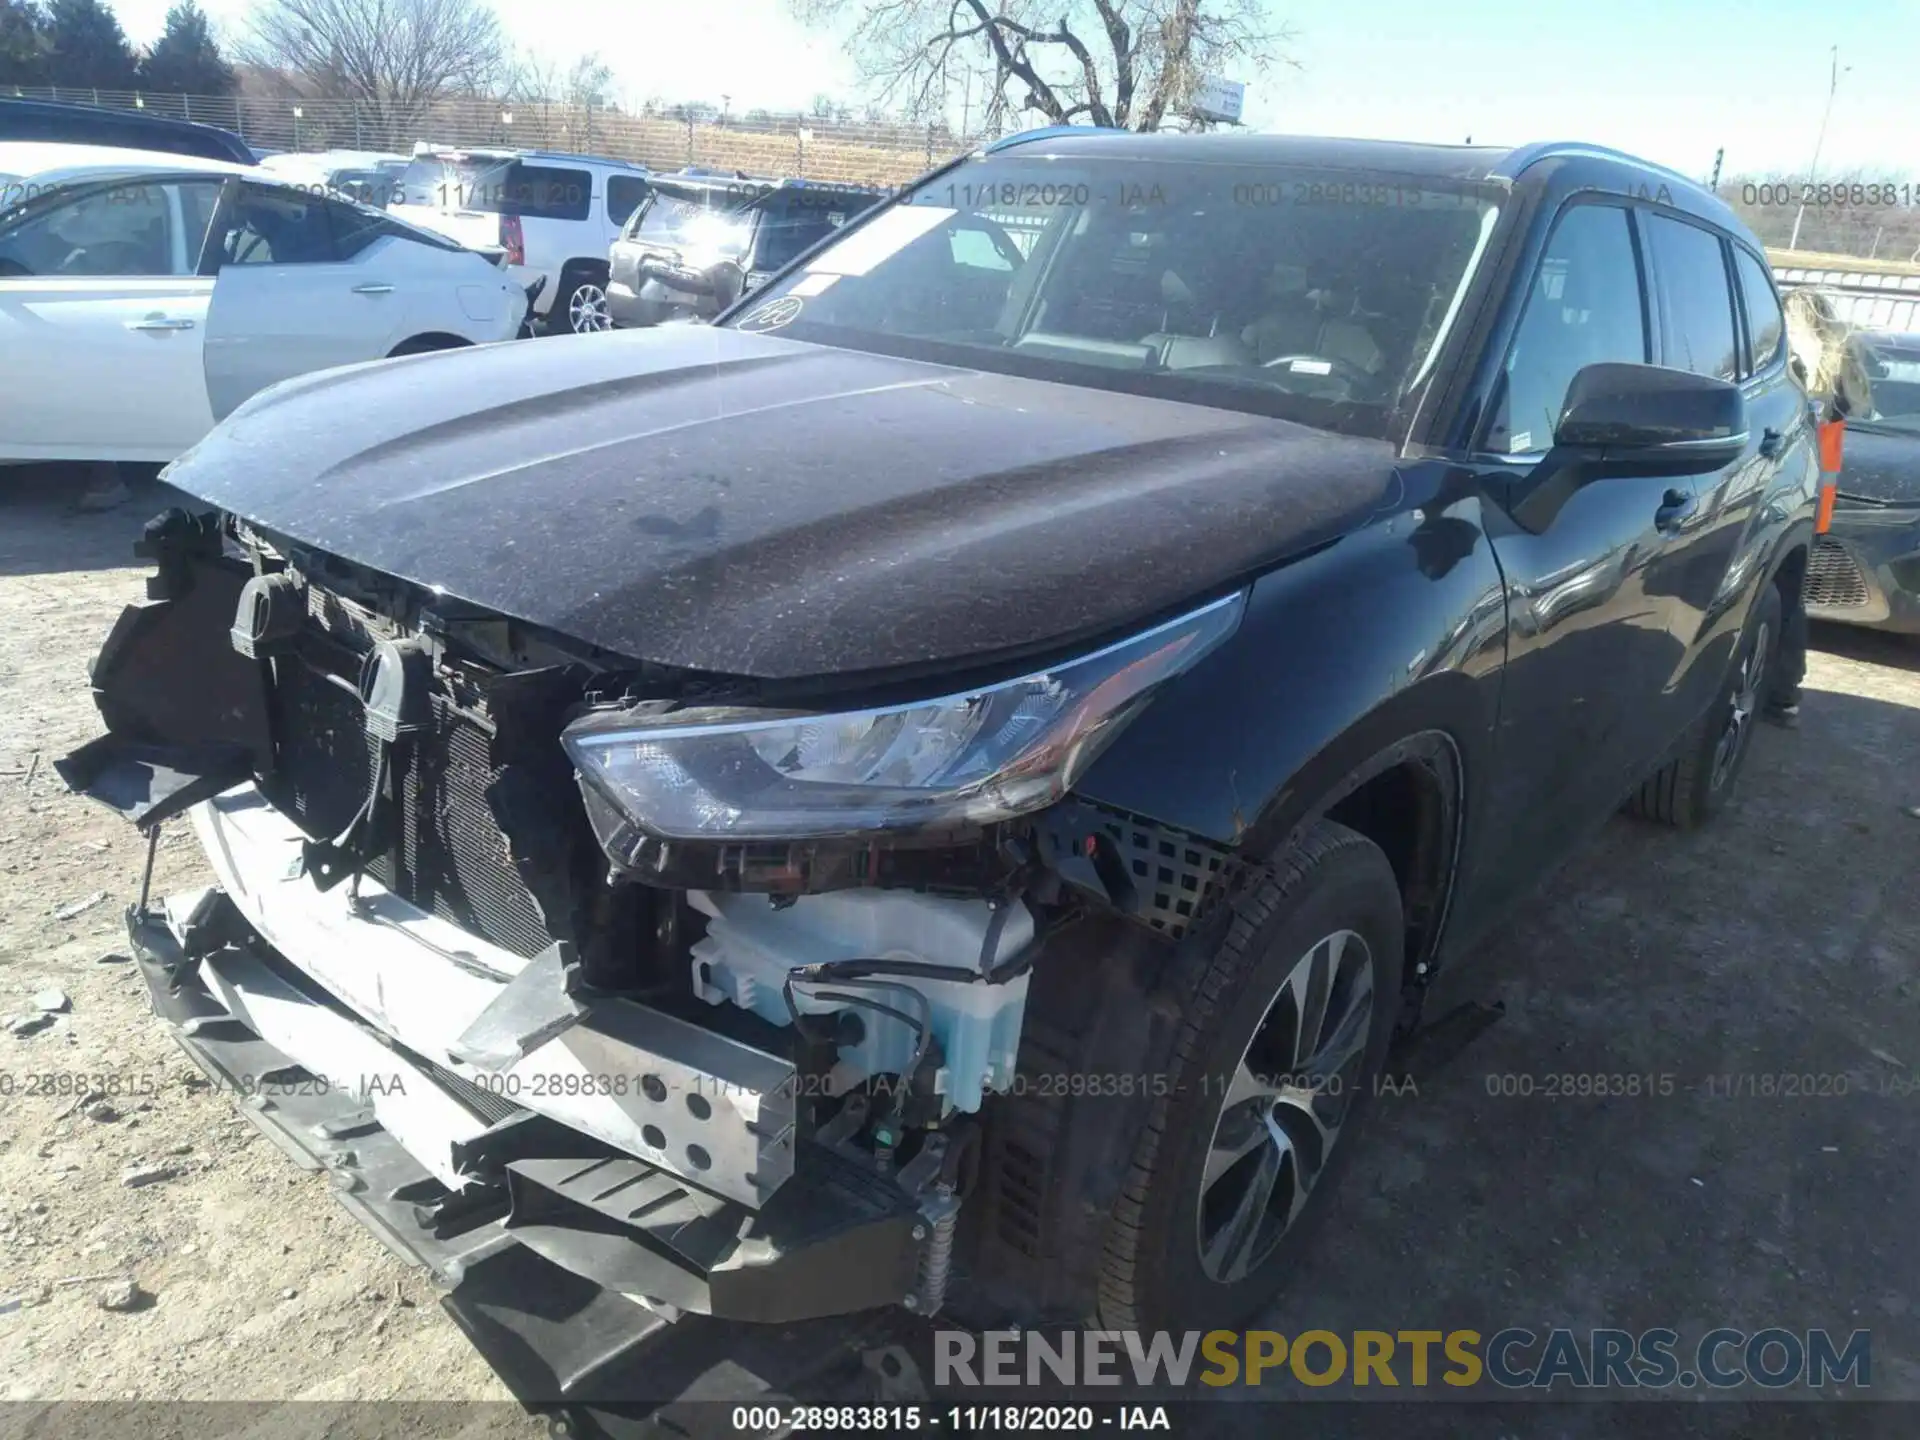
759, 142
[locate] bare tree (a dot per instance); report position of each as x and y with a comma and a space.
1128, 63
392, 58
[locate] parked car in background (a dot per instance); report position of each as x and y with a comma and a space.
370, 176
1033, 639
699, 241
44, 120
1866, 569
144, 296
554, 214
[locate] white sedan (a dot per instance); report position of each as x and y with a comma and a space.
144, 296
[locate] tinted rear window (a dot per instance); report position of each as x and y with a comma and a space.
697, 217
624, 193
499, 187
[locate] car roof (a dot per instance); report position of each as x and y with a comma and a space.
732, 179
51, 160
335, 159
1503, 165
508, 153
177, 136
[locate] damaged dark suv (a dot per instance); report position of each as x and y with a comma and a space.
945, 784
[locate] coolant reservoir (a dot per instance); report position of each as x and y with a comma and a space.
749, 947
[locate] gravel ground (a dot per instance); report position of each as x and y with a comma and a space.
1785, 941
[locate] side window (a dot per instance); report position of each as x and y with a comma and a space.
354, 229
785, 230
199, 203
1585, 307
124, 228
624, 194
1698, 305
1765, 325
276, 227
974, 248
548, 192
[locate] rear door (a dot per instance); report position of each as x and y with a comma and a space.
297, 289
1701, 331
1598, 643
102, 322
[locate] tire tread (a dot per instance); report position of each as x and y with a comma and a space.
1210, 976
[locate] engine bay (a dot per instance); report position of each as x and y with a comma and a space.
380, 777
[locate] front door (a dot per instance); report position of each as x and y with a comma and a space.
1600, 627
102, 322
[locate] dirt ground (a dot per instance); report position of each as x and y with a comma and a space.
1785, 941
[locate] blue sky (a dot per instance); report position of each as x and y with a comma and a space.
1671, 81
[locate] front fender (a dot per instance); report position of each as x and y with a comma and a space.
1396, 629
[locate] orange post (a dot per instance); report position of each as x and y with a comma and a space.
1832, 433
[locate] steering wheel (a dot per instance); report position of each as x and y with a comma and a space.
1342, 371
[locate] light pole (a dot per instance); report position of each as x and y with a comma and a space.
1820, 140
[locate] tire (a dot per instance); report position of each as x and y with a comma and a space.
1330, 911
426, 345
581, 306
1690, 789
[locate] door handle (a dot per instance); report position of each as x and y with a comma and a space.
1771, 441
373, 289
159, 322
1676, 506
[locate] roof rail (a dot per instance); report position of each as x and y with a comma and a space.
1519, 160
1049, 132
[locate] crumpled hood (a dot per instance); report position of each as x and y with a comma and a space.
747, 505
1881, 467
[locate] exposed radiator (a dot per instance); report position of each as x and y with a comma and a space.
448, 854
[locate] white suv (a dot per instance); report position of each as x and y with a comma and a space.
555, 215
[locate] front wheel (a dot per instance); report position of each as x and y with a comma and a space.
1285, 1032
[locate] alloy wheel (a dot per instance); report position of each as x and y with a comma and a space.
1284, 1105
1746, 701
587, 309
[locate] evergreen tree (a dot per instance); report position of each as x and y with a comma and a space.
186, 60
86, 47
23, 44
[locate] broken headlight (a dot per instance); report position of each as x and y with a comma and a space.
729, 774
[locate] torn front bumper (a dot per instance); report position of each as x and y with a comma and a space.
556, 1337
333, 1017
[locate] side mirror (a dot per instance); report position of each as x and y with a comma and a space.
1645, 419
1622, 420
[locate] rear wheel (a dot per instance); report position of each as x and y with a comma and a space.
1285, 1030
581, 307
1690, 789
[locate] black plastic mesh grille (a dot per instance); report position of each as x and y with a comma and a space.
448, 856
1179, 874
1833, 578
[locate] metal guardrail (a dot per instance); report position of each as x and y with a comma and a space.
1877, 299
